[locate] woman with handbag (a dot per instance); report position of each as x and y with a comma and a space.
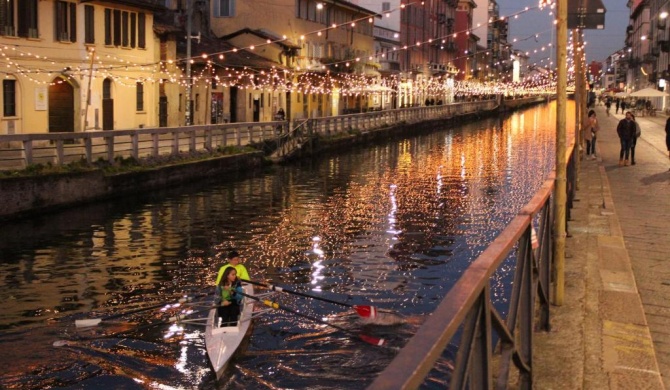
590, 134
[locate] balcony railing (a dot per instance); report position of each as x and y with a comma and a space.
19, 151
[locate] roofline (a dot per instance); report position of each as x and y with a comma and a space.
247, 30
354, 7
129, 3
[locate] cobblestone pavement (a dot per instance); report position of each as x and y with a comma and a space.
613, 331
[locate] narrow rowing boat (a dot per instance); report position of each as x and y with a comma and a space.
221, 342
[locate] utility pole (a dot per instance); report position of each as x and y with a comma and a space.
189, 26
88, 92
560, 200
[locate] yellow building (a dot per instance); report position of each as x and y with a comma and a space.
72, 66
316, 37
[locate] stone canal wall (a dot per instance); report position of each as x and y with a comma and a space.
22, 196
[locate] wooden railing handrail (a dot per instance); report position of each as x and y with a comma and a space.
417, 358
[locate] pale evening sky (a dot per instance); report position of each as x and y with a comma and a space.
600, 43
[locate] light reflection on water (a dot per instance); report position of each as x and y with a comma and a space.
391, 225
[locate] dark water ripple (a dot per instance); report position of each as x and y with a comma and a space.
393, 225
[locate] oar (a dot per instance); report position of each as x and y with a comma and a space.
275, 305
86, 322
171, 320
362, 310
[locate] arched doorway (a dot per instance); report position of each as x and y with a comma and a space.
107, 105
61, 106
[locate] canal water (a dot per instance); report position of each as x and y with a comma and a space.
391, 225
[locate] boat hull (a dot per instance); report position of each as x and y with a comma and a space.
222, 342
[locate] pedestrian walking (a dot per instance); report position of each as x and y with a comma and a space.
618, 102
638, 133
608, 104
626, 132
589, 132
667, 135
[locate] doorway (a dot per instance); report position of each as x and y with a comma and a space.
233, 104
217, 108
107, 105
61, 106
257, 110
162, 111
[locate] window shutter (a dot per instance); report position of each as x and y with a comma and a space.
73, 22
108, 27
133, 29
141, 31
89, 24
117, 27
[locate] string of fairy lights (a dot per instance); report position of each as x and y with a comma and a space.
302, 80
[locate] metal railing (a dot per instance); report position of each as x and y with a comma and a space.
468, 307
19, 151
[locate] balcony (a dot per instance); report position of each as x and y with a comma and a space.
437, 68
390, 66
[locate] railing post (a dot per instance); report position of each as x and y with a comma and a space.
208, 138
191, 143
134, 143
59, 152
110, 149
155, 144
175, 143
28, 151
88, 149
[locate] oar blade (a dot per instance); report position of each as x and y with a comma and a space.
372, 340
366, 311
87, 322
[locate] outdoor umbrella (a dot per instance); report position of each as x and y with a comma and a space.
648, 92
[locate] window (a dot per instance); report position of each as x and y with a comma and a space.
141, 31
116, 25
197, 102
125, 29
108, 27
133, 29
181, 97
386, 6
66, 21
9, 97
21, 14
89, 24
140, 97
125, 39
7, 18
224, 8
107, 89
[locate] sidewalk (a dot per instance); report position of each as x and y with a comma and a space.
613, 331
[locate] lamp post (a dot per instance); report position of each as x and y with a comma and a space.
189, 12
